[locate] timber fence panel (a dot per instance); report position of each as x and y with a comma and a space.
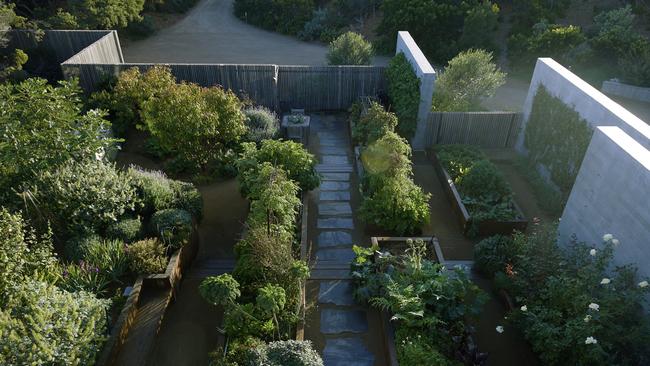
485, 129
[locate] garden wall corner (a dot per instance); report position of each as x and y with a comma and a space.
427, 75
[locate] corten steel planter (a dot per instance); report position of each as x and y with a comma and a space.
486, 227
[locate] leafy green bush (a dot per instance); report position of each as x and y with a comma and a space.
154, 189
64, 131
470, 76
350, 49
146, 257
483, 180
575, 306
262, 124
635, 64
373, 125
418, 349
284, 16
324, 25
172, 226
43, 325
109, 257
615, 32
127, 230
481, 23
83, 197
404, 93
94, 14
75, 249
292, 157
526, 13
142, 28
83, 277
492, 254
557, 138
285, 353
187, 197
385, 159
458, 159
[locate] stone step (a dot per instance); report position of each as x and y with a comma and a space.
335, 223
334, 150
335, 177
336, 292
334, 209
333, 239
210, 267
334, 196
337, 255
335, 160
334, 142
329, 168
337, 321
329, 274
334, 186
349, 351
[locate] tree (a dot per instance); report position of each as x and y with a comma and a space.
106, 14
469, 77
350, 49
43, 126
481, 22
197, 124
284, 16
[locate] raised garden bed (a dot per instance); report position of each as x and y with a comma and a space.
485, 227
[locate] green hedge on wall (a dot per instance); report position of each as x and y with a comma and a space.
557, 138
404, 93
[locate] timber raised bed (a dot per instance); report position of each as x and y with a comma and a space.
484, 228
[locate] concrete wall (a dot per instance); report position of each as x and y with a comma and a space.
612, 195
613, 87
105, 50
592, 105
427, 76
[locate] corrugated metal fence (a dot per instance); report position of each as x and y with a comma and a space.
485, 129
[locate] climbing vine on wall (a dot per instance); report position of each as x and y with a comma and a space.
557, 138
404, 93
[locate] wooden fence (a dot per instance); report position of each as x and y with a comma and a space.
485, 129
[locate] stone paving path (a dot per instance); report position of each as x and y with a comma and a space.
342, 323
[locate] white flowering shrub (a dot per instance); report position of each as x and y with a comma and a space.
43, 325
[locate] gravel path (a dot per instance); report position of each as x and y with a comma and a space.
210, 33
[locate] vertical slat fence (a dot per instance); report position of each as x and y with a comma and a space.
485, 129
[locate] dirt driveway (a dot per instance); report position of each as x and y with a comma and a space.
210, 33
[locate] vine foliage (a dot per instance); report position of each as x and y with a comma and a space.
404, 93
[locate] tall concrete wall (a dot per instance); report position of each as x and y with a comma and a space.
427, 76
105, 50
612, 195
592, 105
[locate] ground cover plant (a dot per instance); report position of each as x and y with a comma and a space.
428, 306
391, 200
572, 304
483, 190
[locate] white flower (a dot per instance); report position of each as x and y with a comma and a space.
615, 242
608, 237
499, 329
605, 281
592, 252
524, 308
591, 340
643, 284
587, 318
594, 306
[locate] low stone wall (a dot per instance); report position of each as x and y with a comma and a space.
613, 87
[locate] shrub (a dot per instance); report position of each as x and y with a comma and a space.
635, 64
481, 22
93, 14
44, 325
458, 159
62, 20
172, 226
292, 157
418, 349
83, 277
83, 197
154, 189
350, 49
128, 230
373, 125
398, 206
109, 257
470, 76
262, 124
285, 353
220, 290
34, 105
199, 125
483, 180
385, 159
142, 28
491, 255
286, 17
615, 32
547, 40
75, 249
404, 93
188, 198
146, 257
324, 26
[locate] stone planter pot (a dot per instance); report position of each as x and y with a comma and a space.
296, 131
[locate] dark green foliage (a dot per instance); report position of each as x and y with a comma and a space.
491, 255
81, 197
172, 226
75, 249
527, 13
292, 157
146, 257
105, 14
404, 93
42, 127
187, 197
284, 16
557, 138
262, 124
635, 64
481, 23
374, 124
325, 25
483, 180
350, 49
549, 198
127, 230
220, 290
285, 353
142, 28
153, 188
